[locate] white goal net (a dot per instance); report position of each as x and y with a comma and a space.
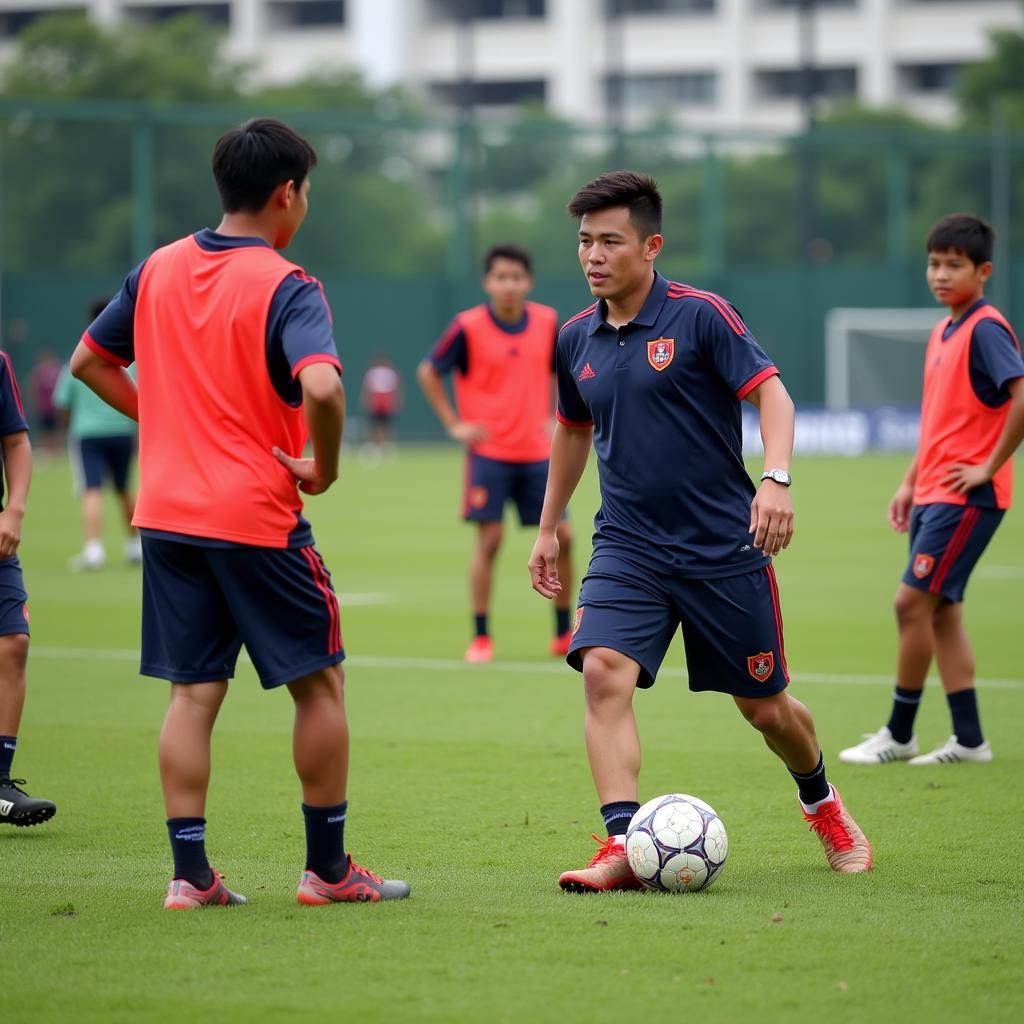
875, 357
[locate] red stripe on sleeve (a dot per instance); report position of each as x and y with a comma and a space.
446, 340
14, 384
94, 346
682, 291
756, 380
579, 316
317, 357
572, 423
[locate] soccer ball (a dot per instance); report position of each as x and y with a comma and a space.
676, 843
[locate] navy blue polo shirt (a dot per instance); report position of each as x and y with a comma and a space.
663, 394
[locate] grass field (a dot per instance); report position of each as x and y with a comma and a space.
472, 783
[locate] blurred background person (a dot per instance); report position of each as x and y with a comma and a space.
380, 399
42, 381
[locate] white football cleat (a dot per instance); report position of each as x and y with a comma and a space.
879, 748
952, 752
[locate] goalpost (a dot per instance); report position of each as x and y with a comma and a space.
875, 357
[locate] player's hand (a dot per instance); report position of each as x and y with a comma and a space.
771, 517
311, 481
10, 533
467, 433
542, 566
960, 478
899, 508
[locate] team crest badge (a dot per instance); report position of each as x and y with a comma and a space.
24, 611
761, 666
477, 497
660, 352
577, 620
923, 565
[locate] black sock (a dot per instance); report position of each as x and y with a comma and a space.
561, 621
188, 846
325, 841
7, 745
617, 816
963, 706
480, 624
813, 787
904, 710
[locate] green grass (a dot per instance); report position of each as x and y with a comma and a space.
472, 783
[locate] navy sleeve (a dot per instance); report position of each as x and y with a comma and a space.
572, 410
112, 333
299, 332
12, 412
729, 348
451, 351
995, 360
554, 350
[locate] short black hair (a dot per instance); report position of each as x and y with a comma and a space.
250, 161
632, 189
965, 233
97, 306
508, 251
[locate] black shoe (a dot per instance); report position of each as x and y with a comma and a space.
18, 808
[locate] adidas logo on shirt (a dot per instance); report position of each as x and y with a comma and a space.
586, 373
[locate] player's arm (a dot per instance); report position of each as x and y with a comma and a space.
570, 449
771, 511
432, 384
960, 478
110, 381
18, 470
903, 499
323, 399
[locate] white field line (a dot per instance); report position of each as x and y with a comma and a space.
370, 661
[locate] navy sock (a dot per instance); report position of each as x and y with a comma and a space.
188, 846
963, 706
7, 745
561, 621
325, 841
813, 787
617, 816
904, 710
480, 624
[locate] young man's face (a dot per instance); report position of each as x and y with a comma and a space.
507, 283
615, 259
954, 279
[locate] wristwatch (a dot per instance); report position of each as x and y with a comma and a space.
780, 476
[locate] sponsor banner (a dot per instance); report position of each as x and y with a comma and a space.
848, 432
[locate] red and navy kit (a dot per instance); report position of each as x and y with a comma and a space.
968, 364
13, 599
502, 380
671, 542
219, 329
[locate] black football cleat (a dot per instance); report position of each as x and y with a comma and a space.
18, 808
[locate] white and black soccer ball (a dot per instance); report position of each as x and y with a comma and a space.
676, 843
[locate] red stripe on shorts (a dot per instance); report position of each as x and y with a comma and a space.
329, 599
777, 608
339, 642
955, 547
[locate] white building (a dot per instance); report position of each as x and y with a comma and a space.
712, 63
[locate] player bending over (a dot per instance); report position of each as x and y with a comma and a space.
236, 365
953, 495
653, 373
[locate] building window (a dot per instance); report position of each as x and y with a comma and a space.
830, 83
12, 23
929, 77
485, 10
306, 13
489, 94
215, 14
655, 92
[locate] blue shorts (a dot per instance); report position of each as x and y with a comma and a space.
200, 604
732, 627
102, 458
492, 482
13, 599
946, 542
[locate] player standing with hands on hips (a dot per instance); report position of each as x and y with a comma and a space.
236, 367
653, 374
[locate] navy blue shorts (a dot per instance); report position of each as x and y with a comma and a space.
946, 542
13, 599
103, 458
200, 604
492, 482
732, 627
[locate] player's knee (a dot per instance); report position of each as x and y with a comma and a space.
489, 540
910, 606
14, 652
605, 676
766, 717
